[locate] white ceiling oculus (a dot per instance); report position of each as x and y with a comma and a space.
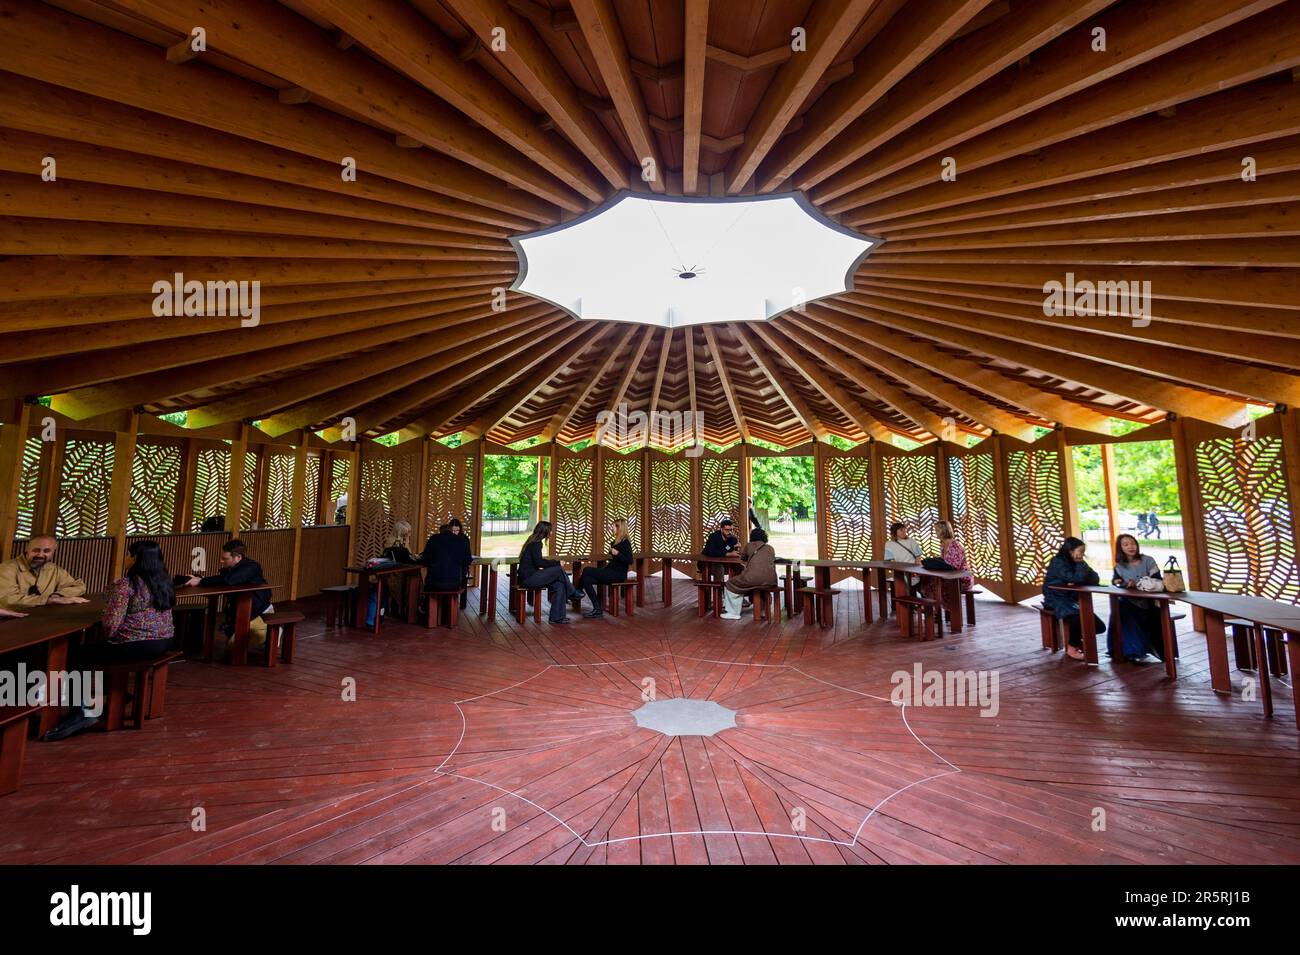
686, 261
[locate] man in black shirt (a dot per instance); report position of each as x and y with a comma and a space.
238, 569
723, 542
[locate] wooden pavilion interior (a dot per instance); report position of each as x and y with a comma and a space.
368, 164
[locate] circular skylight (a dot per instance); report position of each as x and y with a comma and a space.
686, 261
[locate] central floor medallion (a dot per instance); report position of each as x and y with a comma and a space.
682, 717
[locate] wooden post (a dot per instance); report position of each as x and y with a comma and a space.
13, 442
743, 486
646, 536
296, 501
550, 509
879, 520
1069, 500
478, 463
45, 519
119, 494
183, 513
821, 499
697, 504
1290, 426
421, 528
1198, 568
354, 503
1006, 538
258, 517
943, 486
235, 516
598, 499
1110, 484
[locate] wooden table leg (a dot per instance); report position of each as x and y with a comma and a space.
492, 592
1167, 634
379, 603
667, 588
413, 596
640, 582
483, 589
866, 595
952, 594
882, 581
210, 627
1088, 627
1217, 646
1265, 674
1293, 654
904, 619
56, 659
239, 640
363, 601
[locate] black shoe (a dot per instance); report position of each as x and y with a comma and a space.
70, 727
561, 620
590, 614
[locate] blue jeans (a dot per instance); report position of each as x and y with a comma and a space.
559, 588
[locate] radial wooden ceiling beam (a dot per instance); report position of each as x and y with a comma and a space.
604, 37
832, 24
582, 392
697, 39
767, 364
665, 347
719, 362
48, 45
529, 59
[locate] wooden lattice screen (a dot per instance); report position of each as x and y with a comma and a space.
155, 483
28, 484
670, 503
389, 493
1038, 519
278, 513
572, 502
972, 488
211, 482
340, 477
719, 489
844, 490
1246, 511
311, 495
622, 495
910, 493
84, 484
450, 490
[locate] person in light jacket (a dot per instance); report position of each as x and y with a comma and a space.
760, 571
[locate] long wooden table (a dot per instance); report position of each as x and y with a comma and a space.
51, 626
822, 579
945, 584
1088, 619
378, 573
243, 597
1265, 614
577, 562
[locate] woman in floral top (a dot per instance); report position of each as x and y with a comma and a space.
137, 624
952, 553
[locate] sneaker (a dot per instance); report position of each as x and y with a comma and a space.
70, 727
731, 616
561, 620
592, 614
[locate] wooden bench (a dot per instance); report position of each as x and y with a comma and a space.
1243, 646
793, 583
1053, 630
14, 721
435, 599
280, 631
340, 604
613, 592
767, 603
520, 597
149, 689
923, 615
706, 590
818, 602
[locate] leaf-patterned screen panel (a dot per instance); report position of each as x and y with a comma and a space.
847, 493
973, 489
155, 481
1037, 510
911, 495
622, 496
670, 504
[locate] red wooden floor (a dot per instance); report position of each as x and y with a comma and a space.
509, 743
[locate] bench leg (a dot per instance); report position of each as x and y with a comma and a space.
453, 616
808, 611
970, 607
628, 598
286, 643
13, 743
272, 645
115, 705
141, 703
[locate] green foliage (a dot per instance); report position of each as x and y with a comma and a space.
835, 441
907, 444
1144, 470
387, 440
783, 486
177, 418
46, 401
509, 484
452, 440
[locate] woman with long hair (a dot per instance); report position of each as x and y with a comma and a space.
1069, 567
136, 624
1138, 633
615, 569
537, 571
952, 553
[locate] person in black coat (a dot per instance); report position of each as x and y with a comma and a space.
723, 542
1069, 567
537, 571
238, 569
444, 561
615, 569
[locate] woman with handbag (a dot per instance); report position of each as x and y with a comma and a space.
1138, 633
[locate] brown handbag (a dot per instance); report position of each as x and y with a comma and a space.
1173, 577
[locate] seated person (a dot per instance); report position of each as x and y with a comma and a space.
398, 551
34, 580
760, 571
537, 571
1069, 567
902, 549
723, 542
464, 549
237, 570
1139, 631
615, 569
952, 553
444, 560
136, 625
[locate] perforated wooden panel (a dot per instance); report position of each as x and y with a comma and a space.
1037, 510
719, 490
573, 505
311, 492
622, 496
846, 492
279, 491
1246, 510
389, 486
28, 482
975, 512
84, 488
450, 490
911, 495
670, 505
155, 480
211, 482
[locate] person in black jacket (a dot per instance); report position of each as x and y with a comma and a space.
238, 569
723, 542
1069, 567
536, 571
615, 569
446, 557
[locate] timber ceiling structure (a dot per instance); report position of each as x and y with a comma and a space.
994, 145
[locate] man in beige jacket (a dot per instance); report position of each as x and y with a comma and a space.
34, 580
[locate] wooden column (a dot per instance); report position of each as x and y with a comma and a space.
54, 440
296, 501
13, 441
1110, 484
1069, 499
119, 494
821, 498
1290, 423
646, 536
550, 503
743, 485
183, 514
698, 533
235, 516
261, 479
598, 500
354, 493
1006, 540
879, 530
942, 484
421, 529
1197, 570
476, 517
